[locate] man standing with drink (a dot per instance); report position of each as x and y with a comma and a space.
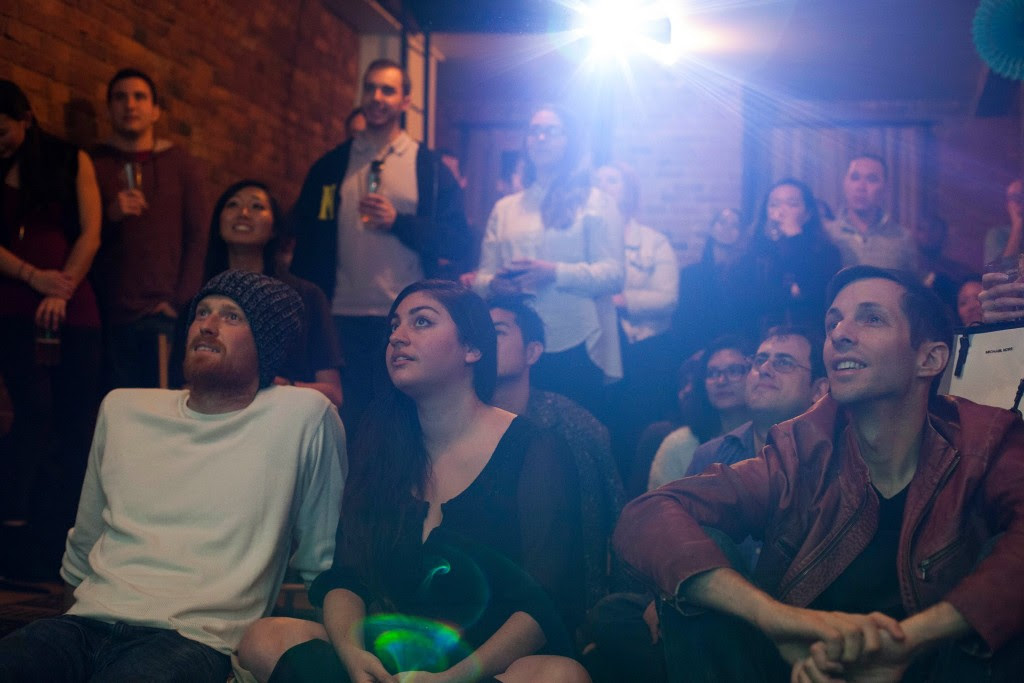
375, 214
154, 233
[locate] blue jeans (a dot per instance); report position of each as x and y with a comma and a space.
70, 648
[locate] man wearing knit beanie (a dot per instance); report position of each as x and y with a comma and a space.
271, 309
194, 502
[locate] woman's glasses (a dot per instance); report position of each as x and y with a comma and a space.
733, 372
553, 131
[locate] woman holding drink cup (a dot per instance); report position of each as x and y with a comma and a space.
49, 323
790, 258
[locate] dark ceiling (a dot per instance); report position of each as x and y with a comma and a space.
824, 49
490, 16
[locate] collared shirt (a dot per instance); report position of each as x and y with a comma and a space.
886, 244
373, 265
727, 449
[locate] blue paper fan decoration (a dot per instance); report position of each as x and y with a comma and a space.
998, 32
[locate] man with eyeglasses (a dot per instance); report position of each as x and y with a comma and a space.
892, 521
787, 375
375, 214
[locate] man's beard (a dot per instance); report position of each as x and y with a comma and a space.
213, 377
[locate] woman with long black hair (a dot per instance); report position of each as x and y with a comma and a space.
248, 231
49, 323
791, 258
458, 554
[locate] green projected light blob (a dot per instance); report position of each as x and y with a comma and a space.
406, 643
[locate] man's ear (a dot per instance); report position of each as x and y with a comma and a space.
819, 389
473, 354
932, 357
534, 350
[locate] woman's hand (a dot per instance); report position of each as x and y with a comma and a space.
51, 312
503, 285
419, 677
362, 666
51, 283
531, 275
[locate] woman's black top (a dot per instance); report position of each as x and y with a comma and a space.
510, 542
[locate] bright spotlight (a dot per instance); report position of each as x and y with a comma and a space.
623, 28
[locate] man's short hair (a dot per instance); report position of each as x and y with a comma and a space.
530, 324
815, 340
385, 63
872, 157
928, 317
131, 72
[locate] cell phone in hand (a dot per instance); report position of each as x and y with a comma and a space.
513, 272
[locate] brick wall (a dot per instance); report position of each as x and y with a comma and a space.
977, 158
686, 144
253, 88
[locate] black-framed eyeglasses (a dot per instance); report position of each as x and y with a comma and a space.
732, 372
780, 364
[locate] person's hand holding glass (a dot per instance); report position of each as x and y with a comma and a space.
1003, 296
130, 201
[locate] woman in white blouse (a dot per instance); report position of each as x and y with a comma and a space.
645, 304
560, 240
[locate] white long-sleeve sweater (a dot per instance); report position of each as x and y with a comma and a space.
187, 521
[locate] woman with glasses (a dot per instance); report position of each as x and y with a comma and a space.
560, 240
716, 405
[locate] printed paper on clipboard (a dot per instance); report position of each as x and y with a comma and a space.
987, 364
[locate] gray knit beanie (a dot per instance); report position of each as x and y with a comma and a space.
273, 309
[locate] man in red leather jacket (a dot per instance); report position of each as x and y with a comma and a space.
892, 520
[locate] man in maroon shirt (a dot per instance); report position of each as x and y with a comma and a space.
154, 232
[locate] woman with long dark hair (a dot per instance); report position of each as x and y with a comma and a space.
49, 324
790, 257
248, 231
715, 294
560, 240
716, 405
459, 542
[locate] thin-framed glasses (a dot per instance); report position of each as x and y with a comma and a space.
733, 372
553, 131
780, 364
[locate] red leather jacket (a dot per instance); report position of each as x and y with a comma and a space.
816, 511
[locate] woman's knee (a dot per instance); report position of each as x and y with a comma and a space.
545, 668
266, 640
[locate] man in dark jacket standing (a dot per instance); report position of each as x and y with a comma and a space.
892, 520
375, 214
